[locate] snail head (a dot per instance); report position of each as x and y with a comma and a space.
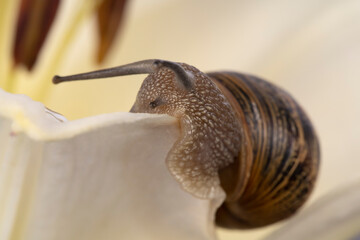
161, 90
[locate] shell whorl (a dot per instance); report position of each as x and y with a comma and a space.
283, 150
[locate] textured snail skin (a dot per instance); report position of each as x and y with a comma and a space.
242, 130
211, 132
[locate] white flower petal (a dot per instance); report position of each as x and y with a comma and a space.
102, 177
335, 216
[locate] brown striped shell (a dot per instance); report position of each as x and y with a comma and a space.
282, 155
239, 134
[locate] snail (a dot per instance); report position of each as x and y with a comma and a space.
239, 134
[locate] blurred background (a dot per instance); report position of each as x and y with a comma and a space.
311, 48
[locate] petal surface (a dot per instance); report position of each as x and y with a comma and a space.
102, 177
335, 216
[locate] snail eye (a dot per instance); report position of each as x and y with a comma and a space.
155, 103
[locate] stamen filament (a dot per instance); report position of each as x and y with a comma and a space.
87, 8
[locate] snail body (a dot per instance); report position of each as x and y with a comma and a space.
239, 134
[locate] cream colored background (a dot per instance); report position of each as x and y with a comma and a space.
311, 48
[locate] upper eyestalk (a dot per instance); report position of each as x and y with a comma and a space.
141, 67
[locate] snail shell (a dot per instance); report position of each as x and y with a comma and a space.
282, 156
239, 134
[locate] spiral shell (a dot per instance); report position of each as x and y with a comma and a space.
281, 155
